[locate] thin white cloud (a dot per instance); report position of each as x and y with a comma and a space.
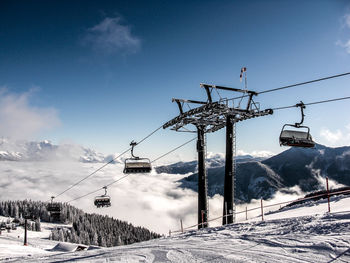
332, 137
345, 45
215, 155
335, 138
111, 36
20, 120
256, 153
345, 25
346, 20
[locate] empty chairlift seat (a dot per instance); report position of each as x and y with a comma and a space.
136, 164
103, 200
296, 139
54, 207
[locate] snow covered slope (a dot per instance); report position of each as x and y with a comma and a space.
311, 236
11, 244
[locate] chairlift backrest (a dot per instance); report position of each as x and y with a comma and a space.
296, 134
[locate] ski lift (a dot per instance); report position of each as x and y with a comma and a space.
136, 164
103, 200
54, 207
297, 138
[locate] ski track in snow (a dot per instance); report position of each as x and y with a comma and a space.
310, 238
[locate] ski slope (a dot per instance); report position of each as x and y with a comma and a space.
304, 233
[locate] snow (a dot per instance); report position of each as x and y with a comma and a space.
303, 233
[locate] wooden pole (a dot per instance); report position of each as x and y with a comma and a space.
25, 232
262, 209
246, 213
202, 218
182, 228
329, 205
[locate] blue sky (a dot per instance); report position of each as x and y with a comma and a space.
102, 73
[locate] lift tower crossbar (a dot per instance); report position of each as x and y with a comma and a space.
212, 116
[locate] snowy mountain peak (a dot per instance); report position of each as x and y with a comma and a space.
45, 150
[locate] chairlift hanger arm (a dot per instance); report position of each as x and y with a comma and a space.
133, 144
105, 187
302, 107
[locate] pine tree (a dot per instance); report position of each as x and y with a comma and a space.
119, 241
37, 225
94, 240
61, 235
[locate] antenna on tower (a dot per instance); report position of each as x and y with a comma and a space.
244, 72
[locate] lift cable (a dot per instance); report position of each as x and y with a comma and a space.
173, 150
94, 172
95, 191
312, 103
306, 82
111, 161
293, 85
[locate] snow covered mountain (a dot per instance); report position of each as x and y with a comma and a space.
305, 168
46, 151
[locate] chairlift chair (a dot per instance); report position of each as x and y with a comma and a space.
54, 207
103, 200
297, 138
136, 164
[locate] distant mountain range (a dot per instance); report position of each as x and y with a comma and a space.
22, 150
256, 177
261, 178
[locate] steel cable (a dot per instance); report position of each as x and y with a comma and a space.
92, 192
312, 103
111, 161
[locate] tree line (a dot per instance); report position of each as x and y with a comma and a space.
88, 229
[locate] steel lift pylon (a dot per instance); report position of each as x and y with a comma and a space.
210, 117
